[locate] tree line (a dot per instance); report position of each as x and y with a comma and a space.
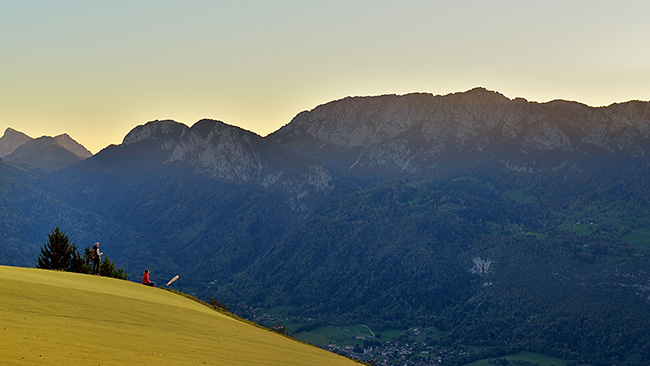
60, 254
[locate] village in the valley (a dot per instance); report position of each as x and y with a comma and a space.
411, 347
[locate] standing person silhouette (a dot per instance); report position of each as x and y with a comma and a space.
96, 257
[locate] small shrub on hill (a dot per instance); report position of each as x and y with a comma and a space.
280, 329
218, 305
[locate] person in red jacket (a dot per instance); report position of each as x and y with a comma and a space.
145, 279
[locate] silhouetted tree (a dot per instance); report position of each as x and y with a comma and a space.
108, 269
59, 253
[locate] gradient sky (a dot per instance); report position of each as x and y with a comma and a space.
97, 69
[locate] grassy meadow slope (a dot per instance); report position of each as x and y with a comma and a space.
59, 318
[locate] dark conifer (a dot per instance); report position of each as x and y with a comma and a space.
59, 253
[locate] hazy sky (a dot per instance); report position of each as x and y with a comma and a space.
97, 69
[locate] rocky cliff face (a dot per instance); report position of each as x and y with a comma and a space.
221, 151
230, 153
415, 132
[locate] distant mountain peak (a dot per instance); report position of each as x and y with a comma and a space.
44, 153
158, 129
481, 95
207, 125
10, 131
11, 140
69, 143
47, 153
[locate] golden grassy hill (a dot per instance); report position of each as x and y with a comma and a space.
59, 318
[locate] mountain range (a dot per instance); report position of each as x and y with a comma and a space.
47, 153
499, 221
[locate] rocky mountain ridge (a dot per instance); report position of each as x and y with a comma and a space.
415, 132
227, 154
412, 134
